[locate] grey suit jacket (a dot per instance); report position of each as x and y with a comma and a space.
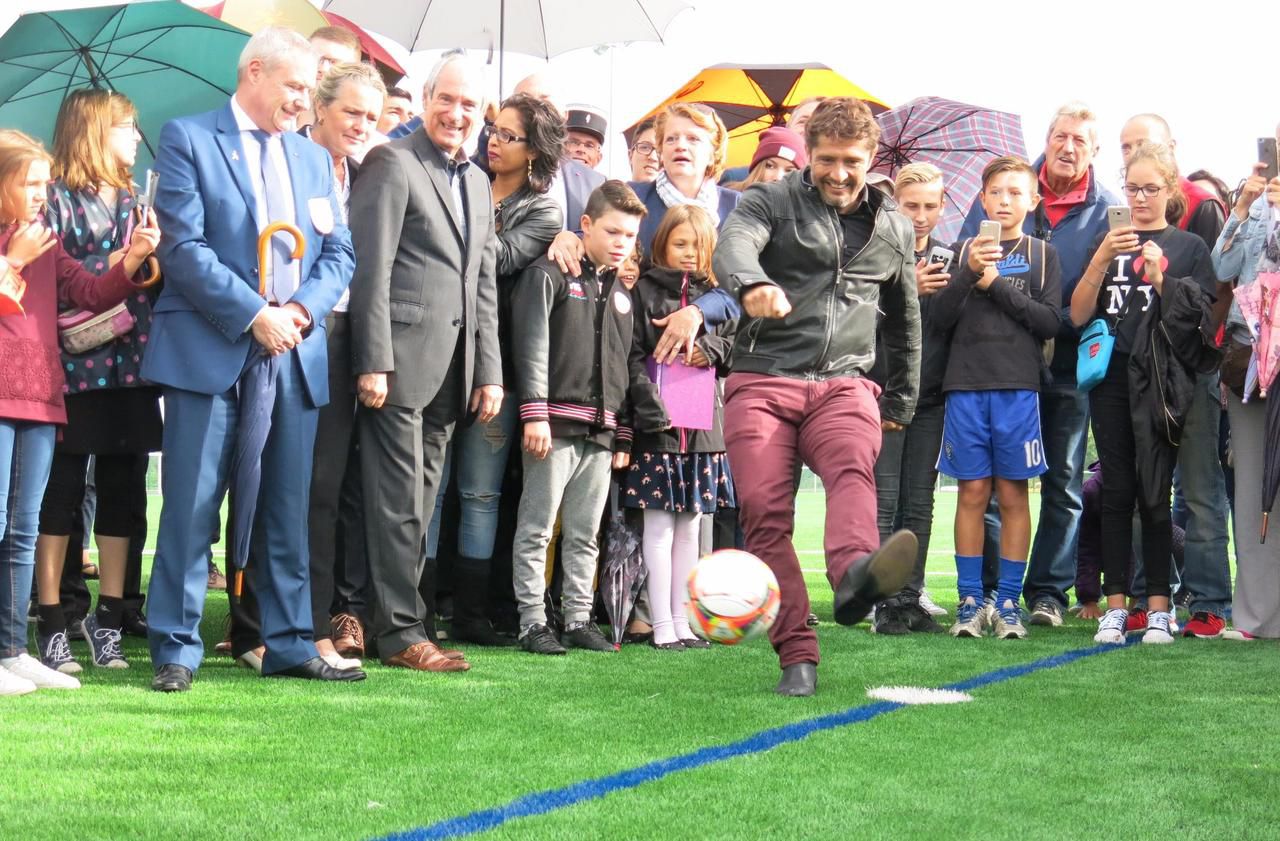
417, 282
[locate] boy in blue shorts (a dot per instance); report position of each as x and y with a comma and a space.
1001, 305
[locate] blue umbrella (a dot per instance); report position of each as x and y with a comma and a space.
256, 399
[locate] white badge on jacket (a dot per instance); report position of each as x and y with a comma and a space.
621, 302
321, 214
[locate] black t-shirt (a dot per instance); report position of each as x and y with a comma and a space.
858, 225
1187, 256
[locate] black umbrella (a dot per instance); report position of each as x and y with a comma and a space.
1270, 461
256, 398
623, 573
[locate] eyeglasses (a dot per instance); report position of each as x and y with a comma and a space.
644, 149
506, 138
579, 143
1148, 190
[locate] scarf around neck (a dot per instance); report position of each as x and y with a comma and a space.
708, 197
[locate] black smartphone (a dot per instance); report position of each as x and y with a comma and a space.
1267, 155
942, 257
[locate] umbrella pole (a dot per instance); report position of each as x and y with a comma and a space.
1266, 515
502, 43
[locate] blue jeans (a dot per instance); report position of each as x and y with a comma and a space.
481, 452
26, 453
1064, 418
906, 474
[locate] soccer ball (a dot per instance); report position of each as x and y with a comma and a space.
732, 596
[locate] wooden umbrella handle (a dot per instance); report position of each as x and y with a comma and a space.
264, 245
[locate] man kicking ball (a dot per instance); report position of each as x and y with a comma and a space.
813, 258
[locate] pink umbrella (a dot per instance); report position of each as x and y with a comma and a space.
1259, 303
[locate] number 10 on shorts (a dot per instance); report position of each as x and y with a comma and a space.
1034, 451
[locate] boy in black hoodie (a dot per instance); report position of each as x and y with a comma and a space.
572, 338
1001, 304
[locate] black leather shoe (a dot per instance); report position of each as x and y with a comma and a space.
134, 624
667, 646
478, 632
317, 669
694, 642
875, 577
172, 678
541, 640
799, 680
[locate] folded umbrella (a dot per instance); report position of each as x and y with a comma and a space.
623, 572
256, 398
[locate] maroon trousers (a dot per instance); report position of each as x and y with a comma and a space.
771, 423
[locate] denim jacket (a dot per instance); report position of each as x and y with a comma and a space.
1238, 255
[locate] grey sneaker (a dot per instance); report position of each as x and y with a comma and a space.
105, 644
55, 653
1046, 612
1008, 624
971, 619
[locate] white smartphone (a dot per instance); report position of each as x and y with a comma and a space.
942, 258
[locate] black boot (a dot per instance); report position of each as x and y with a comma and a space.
470, 596
799, 680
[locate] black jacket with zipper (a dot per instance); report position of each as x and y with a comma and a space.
656, 294
571, 345
783, 234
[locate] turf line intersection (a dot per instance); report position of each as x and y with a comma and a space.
552, 800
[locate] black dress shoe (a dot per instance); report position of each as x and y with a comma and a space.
694, 642
875, 577
134, 623
317, 669
172, 678
667, 646
799, 680
479, 632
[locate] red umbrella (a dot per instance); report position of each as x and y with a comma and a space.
305, 18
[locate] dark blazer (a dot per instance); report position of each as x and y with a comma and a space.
418, 282
648, 193
580, 181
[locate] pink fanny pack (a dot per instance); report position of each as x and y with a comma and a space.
81, 331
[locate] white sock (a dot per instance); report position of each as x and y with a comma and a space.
685, 549
659, 529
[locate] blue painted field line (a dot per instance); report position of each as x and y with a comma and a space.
542, 802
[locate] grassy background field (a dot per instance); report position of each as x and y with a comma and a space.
1172, 742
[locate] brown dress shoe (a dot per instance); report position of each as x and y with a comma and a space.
426, 657
217, 581
348, 635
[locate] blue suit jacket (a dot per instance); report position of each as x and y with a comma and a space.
200, 337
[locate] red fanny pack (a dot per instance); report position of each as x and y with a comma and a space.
81, 331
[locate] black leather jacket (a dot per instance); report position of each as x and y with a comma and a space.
785, 235
525, 224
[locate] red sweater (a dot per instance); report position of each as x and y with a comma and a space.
30, 363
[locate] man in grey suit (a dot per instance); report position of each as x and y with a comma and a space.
424, 337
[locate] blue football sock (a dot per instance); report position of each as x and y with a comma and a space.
1011, 573
969, 577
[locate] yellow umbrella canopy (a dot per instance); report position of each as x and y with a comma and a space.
751, 98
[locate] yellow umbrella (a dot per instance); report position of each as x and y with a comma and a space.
751, 98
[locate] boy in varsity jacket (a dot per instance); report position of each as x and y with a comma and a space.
571, 339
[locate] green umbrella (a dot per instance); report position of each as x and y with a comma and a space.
171, 60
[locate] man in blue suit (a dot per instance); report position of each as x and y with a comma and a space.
224, 177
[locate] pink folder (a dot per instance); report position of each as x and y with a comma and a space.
688, 393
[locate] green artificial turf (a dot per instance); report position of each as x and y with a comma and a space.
1175, 742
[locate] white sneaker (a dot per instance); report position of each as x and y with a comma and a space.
28, 667
929, 606
1158, 630
1111, 626
337, 661
1008, 624
11, 684
971, 620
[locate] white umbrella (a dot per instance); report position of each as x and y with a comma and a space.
542, 28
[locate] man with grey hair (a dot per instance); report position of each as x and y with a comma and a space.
225, 176
1072, 215
424, 329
